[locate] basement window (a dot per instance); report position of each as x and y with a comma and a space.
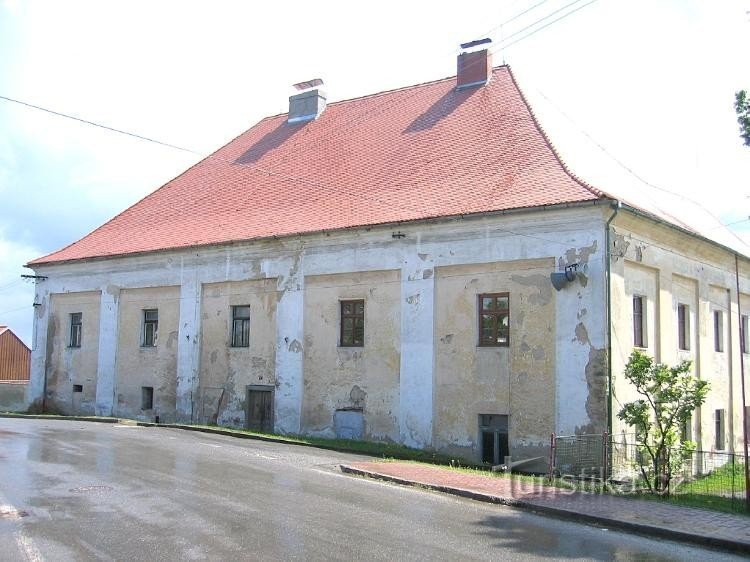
493, 312
241, 326
76, 325
352, 323
147, 397
77, 388
150, 327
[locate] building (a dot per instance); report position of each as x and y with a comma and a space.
416, 266
15, 357
15, 364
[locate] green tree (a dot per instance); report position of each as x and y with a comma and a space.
670, 395
742, 107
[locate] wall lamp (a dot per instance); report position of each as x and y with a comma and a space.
560, 279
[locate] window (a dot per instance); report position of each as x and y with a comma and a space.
76, 324
683, 327
686, 430
743, 335
718, 330
77, 388
147, 397
494, 309
150, 327
241, 326
353, 323
639, 339
719, 433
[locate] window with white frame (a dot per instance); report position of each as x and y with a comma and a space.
76, 328
150, 327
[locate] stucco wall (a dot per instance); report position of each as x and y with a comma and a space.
364, 377
13, 396
71, 366
670, 268
226, 371
179, 283
138, 365
518, 380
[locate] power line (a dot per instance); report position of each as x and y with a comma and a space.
93, 123
512, 19
506, 45
633, 173
387, 104
531, 25
11, 284
14, 309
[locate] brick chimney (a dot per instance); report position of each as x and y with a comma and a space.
309, 103
474, 65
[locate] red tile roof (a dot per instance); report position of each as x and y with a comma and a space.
420, 152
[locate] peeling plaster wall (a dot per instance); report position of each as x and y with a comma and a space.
518, 380
671, 268
139, 366
581, 338
364, 377
72, 365
226, 371
558, 236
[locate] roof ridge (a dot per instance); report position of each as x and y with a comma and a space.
390, 91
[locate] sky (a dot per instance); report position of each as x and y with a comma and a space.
636, 95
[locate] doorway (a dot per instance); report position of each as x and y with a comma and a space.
259, 415
493, 431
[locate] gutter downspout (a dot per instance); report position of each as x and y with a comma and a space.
617, 204
742, 380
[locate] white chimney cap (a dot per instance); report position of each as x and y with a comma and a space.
308, 84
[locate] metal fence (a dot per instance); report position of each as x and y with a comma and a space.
622, 465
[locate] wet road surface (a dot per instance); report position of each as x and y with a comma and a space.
88, 491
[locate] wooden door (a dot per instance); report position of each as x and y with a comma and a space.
260, 408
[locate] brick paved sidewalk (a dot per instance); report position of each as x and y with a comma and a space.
648, 517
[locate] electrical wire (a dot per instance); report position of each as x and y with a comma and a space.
633, 173
534, 24
15, 309
387, 104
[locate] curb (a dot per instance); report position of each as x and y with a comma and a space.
59, 417
640, 528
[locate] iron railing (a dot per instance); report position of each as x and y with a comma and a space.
622, 465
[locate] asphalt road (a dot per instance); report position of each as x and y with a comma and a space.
88, 491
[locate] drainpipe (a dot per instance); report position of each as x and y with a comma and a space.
742, 380
617, 204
